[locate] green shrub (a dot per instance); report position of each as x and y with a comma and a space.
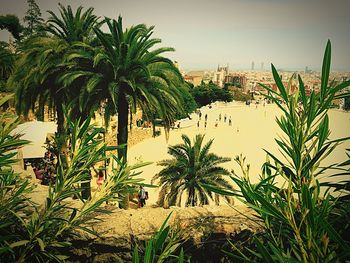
302, 220
31, 233
161, 247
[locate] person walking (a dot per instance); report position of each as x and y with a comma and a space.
100, 179
142, 196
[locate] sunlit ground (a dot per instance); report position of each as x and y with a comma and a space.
253, 129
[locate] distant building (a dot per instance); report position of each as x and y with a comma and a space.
262, 66
220, 75
239, 81
252, 66
195, 80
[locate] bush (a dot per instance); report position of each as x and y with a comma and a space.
302, 221
36, 234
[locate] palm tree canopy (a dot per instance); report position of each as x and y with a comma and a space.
125, 71
7, 61
39, 67
36, 74
73, 27
192, 167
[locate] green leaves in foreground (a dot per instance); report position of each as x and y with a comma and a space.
300, 223
40, 232
13, 188
161, 247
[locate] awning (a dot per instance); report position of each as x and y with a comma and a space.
36, 132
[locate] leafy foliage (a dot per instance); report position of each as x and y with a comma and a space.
40, 65
11, 23
189, 104
33, 19
301, 223
12, 187
40, 232
192, 167
7, 61
161, 247
122, 71
205, 94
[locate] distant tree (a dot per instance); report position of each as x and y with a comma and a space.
207, 93
33, 19
11, 24
191, 169
189, 104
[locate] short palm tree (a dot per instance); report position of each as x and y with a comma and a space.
188, 173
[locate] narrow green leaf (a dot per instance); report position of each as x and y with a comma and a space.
279, 84
19, 243
325, 69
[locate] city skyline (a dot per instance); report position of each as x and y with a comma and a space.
290, 34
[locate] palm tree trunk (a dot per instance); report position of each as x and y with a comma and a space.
61, 131
130, 126
122, 137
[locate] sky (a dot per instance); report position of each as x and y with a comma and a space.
291, 34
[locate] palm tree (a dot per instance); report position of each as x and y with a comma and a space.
191, 169
37, 73
124, 73
7, 61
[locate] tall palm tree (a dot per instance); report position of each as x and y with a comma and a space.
189, 171
37, 73
124, 72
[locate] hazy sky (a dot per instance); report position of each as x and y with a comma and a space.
291, 34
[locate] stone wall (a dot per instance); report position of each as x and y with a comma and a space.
204, 230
